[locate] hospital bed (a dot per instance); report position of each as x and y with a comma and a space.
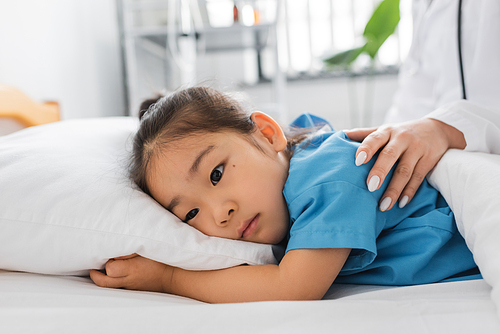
67, 206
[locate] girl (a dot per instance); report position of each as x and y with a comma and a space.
231, 175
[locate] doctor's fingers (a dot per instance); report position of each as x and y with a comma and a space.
407, 177
385, 138
386, 159
359, 134
425, 164
412, 168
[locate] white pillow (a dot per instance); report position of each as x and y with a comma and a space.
470, 183
67, 205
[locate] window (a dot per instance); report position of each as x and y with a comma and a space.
314, 29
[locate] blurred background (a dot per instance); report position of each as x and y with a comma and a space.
101, 58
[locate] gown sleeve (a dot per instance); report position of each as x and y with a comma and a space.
336, 215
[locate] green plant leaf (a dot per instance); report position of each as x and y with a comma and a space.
344, 57
381, 25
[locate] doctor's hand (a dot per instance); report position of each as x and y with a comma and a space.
418, 145
134, 272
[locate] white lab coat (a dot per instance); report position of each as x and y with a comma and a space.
429, 80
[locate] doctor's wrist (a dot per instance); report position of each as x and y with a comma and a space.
454, 137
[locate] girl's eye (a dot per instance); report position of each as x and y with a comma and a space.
191, 214
216, 174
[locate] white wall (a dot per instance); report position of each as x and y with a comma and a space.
345, 102
69, 51
61, 50
342, 101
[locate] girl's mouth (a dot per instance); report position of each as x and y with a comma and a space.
249, 227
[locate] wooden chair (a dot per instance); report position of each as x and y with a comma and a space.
15, 105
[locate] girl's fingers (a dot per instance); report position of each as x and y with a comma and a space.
105, 281
126, 257
117, 268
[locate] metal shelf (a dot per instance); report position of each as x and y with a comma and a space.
165, 43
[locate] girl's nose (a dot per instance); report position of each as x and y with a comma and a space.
223, 221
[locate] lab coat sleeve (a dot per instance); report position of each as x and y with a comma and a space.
480, 125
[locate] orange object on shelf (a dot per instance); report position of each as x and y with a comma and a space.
235, 14
256, 15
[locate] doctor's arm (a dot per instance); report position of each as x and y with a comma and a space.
303, 274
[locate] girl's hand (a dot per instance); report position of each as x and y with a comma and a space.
418, 145
134, 272
303, 274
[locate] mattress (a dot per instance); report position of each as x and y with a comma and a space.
34, 303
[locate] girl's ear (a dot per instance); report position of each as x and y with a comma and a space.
270, 129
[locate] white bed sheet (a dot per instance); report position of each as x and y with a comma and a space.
33, 303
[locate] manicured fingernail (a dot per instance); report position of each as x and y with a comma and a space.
373, 184
403, 201
385, 204
360, 159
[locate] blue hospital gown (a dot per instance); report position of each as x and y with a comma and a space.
331, 207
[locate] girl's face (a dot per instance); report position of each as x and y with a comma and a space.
224, 186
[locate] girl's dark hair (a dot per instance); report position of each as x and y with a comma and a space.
188, 112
